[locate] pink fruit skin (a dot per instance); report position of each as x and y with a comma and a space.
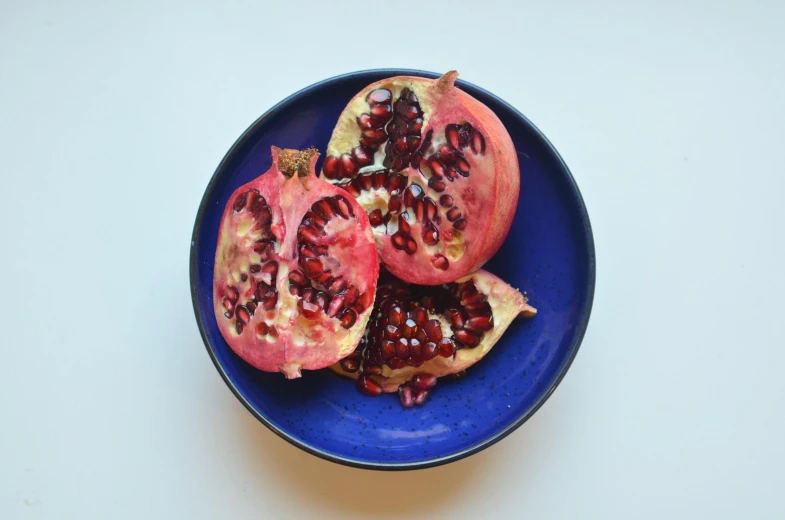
289, 200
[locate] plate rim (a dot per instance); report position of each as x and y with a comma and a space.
581, 326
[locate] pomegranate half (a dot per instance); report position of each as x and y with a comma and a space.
435, 170
420, 333
295, 269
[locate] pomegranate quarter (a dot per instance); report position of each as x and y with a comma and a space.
295, 269
418, 334
435, 170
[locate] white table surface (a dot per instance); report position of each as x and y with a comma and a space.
671, 116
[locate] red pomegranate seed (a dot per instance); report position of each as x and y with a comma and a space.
440, 262
434, 330
420, 397
462, 166
399, 240
451, 133
342, 207
323, 209
348, 318
476, 306
273, 331
446, 347
423, 381
348, 166
309, 234
419, 210
232, 293
403, 224
350, 365
430, 209
361, 156
271, 268
239, 204
309, 310
416, 125
238, 327
402, 348
337, 285
297, 277
372, 369
396, 363
388, 350
406, 395
468, 338
460, 224
397, 182
420, 316
262, 329
437, 183
365, 121
430, 350
368, 386
421, 336
411, 246
379, 179
375, 217
352, 188
413, 192
436, 167
380, 95
335, 305
453, 214
456, 318
415, 350
243, 315
480, 323
320, 299
312, 267
251, 306
414, 143
394, 204
227, 303
395, 316
478, 142
409, 328
430, 235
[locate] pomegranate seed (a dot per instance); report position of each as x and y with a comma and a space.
309, 234
456, 318
348, 318
337, 285
460, 224
440, 262
421, 336
449, 172
374, 134
297, 277
348, 166
478, 143
392, 333
309, 310
468, 338
232, 293
380, 95
402, 144
335, 305
411, 246
446, 347
416, 126
414, 191
375, 217
243, 315
462, 166
430, 235
320, 299
379, 179
350, 365
388, 350
420, 316
434, 330
430, 350
423, 381
409, 328
477, 307
312, 267
419, 210
480, 324
331, 168
437, 183
270, 301
451, 133
399, 240
406, 395
420, 397
397, 182
271, 268
323, 209
445, 201
239, 204
372, 369
238, 327
365, 181
436, 167
365, 121
294, 289
368, 386
453, 214
352, 188
394, 204
415, 350
227, 303
251, 306
273, 331
343, 208
414, 143
403, 224
402, 348
395, 316
325, 278
396, 363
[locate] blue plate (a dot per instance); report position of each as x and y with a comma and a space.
549, 253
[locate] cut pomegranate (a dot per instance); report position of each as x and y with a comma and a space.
436, 171
295, 269
420, 333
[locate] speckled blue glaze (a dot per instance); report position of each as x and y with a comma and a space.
549, 254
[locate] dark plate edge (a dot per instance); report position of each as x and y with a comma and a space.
580, 329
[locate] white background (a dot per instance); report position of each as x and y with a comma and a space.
113, 117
